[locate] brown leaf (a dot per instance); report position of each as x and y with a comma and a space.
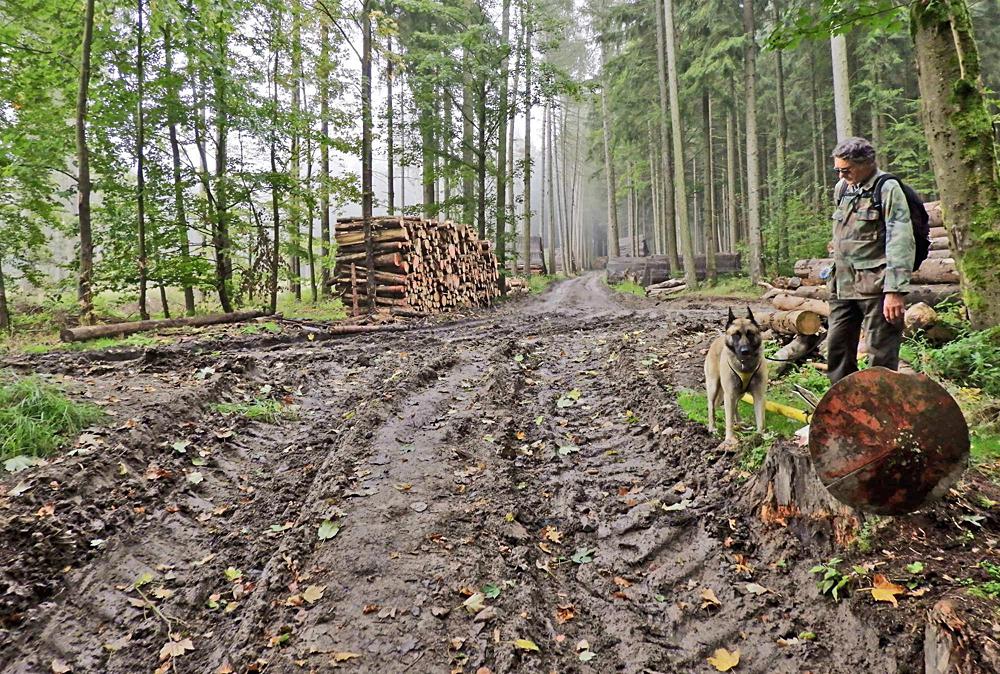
60, 667
552, 534
314, 593
622, 582
175, 649
344, 656
565, 613
225, 668
885, 590
370, 608
708, 598
723, 660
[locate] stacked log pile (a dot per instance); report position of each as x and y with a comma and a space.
420, 266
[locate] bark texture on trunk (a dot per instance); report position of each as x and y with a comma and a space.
680, 187
753, 178
669, 227
85, 290
959, 132
841, 87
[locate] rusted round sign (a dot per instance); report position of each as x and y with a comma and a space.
887, 442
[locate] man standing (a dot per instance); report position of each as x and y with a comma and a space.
873, 253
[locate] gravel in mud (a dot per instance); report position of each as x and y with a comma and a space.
516, 491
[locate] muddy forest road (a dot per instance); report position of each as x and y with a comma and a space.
531, 456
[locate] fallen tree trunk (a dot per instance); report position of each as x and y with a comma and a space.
792, 322
790, 353
788, 302
934, 214
85, 332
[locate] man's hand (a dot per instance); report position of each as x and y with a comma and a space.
892, 307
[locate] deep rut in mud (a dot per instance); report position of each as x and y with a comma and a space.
535, 452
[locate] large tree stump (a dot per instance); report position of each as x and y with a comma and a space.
951, 647
787, 492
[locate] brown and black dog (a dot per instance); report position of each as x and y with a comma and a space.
734, 366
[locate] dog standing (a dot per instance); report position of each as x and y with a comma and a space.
734, 366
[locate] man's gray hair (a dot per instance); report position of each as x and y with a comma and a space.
857, 150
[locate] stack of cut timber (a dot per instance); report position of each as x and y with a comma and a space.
626, 243
668, 287
537, 262
655, 269
421, 266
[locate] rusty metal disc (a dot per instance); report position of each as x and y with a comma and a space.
888, 443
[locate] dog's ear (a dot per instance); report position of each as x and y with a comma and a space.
731, 317
750, 316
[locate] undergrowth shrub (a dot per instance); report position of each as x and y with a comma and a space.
36, 417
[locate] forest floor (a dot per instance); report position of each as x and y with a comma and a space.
515, 490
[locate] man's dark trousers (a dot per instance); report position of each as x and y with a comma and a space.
847, 317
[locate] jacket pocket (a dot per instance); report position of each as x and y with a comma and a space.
869, 276
867, 225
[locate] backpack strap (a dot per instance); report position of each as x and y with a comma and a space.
877, 190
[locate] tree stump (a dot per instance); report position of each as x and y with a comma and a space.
952, 647
788, 493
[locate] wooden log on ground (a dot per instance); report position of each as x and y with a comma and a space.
934, 213
932, 270
787, 492
938, 232
85, 332
793, 352
943, 252
788, 302
792, 322
940, 243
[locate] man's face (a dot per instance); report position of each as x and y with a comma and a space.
852, 172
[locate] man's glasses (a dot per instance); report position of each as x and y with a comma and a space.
841, 171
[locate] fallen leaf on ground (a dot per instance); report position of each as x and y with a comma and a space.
708, 598
60, 667
565, 613
622, 582
885, 590
723, 660
327, 530
583, 645
175, 649
754, 588
344, 656
552, 534
587, 656
225, 668
475, 603
314, 593
163, 593
526, 645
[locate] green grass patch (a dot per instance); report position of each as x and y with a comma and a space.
258, 328
537, 283
629, 287
729, 285
990, 589
266, 410
323, 310
92, 344
36, 418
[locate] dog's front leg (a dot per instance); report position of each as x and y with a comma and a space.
758, 408
730, 403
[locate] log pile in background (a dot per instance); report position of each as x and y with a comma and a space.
421, 266
654, 269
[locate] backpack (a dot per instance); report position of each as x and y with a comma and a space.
918, 215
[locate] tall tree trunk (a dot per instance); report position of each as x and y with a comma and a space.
323, 72
782, 143
753, 180
140, 150
275, 196
481, 150
444, 109
366, 147
731, 143
669, 224
310, 205
654, 191
85, 289
223, 264
526, 225
559, 164
680, 189
501, 168
512, 212
173, 110
609, 163
295, 161
816, 138
553, 238
959, 132
390, 144
428, 148
877, 128
5, 323
710, 242
468, 182
841, 87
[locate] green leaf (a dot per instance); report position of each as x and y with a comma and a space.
21, 462
518, 358
583, 556
915, 567
587, 656
232, 574
568, 449
195, 477
327, 530
198, 461
526, 645
181, 446
807, 636
145, 579
491, 591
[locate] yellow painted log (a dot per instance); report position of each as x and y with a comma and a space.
783, 410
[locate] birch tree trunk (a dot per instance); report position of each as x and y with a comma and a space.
841, 87
959, 132
680, 189
753, 180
